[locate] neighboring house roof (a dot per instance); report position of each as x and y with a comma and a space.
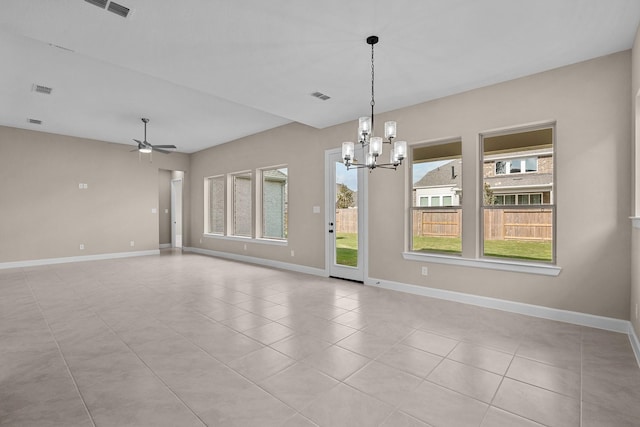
443, 176
520, 180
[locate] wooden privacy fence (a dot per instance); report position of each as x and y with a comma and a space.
499, 224
438, 223
518, 224
347, 220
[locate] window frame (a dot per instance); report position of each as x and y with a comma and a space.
415, 206
508, 165
260, 205
471, 256
231, 205
552, 202
207, 205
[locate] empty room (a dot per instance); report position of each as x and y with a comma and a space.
340, 213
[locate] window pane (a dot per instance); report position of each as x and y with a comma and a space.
216, 205
274, 203
437, 178
346, 226
242, 204
535, 199
516, 228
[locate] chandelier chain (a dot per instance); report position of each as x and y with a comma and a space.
373, 101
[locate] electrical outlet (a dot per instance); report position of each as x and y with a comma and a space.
245, 246
425, 271
132, 243
82, 246
293, 253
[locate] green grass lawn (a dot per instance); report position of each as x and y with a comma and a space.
533, 251
347, 249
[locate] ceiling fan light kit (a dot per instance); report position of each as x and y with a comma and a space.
146, 147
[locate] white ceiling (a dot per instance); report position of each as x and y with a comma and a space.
210, 71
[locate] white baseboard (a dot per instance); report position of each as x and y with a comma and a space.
165, 245
635, 344
64, 260
599, 322
260, 261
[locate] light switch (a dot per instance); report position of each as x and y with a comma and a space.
154, 210
166, 211
316, 209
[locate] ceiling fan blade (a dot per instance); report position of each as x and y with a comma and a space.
165, 146
159, 150
139, 142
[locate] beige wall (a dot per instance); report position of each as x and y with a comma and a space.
589, 102
635, 248
45, 215
164, 206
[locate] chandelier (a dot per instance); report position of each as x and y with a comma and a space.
374, 143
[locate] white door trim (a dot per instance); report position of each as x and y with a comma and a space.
361, 272
176, 204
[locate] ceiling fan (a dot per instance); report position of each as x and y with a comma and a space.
146, 147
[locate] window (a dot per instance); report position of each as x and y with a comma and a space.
437, 178
519, 211
241, 214
517, 199
274, 203
214, 199
503, 167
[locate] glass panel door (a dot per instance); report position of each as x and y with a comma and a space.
344, 200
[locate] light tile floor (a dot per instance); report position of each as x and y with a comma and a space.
181, 340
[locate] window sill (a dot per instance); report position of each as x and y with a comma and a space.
514, 266
247, 239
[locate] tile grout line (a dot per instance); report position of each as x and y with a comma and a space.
148, 367
225, 364
73, 379
97, 314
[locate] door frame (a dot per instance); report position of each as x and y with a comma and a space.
361, 272
174, 210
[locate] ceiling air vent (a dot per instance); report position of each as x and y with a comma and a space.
118, 9
100, 3
42, 89
35, 121
320, 95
